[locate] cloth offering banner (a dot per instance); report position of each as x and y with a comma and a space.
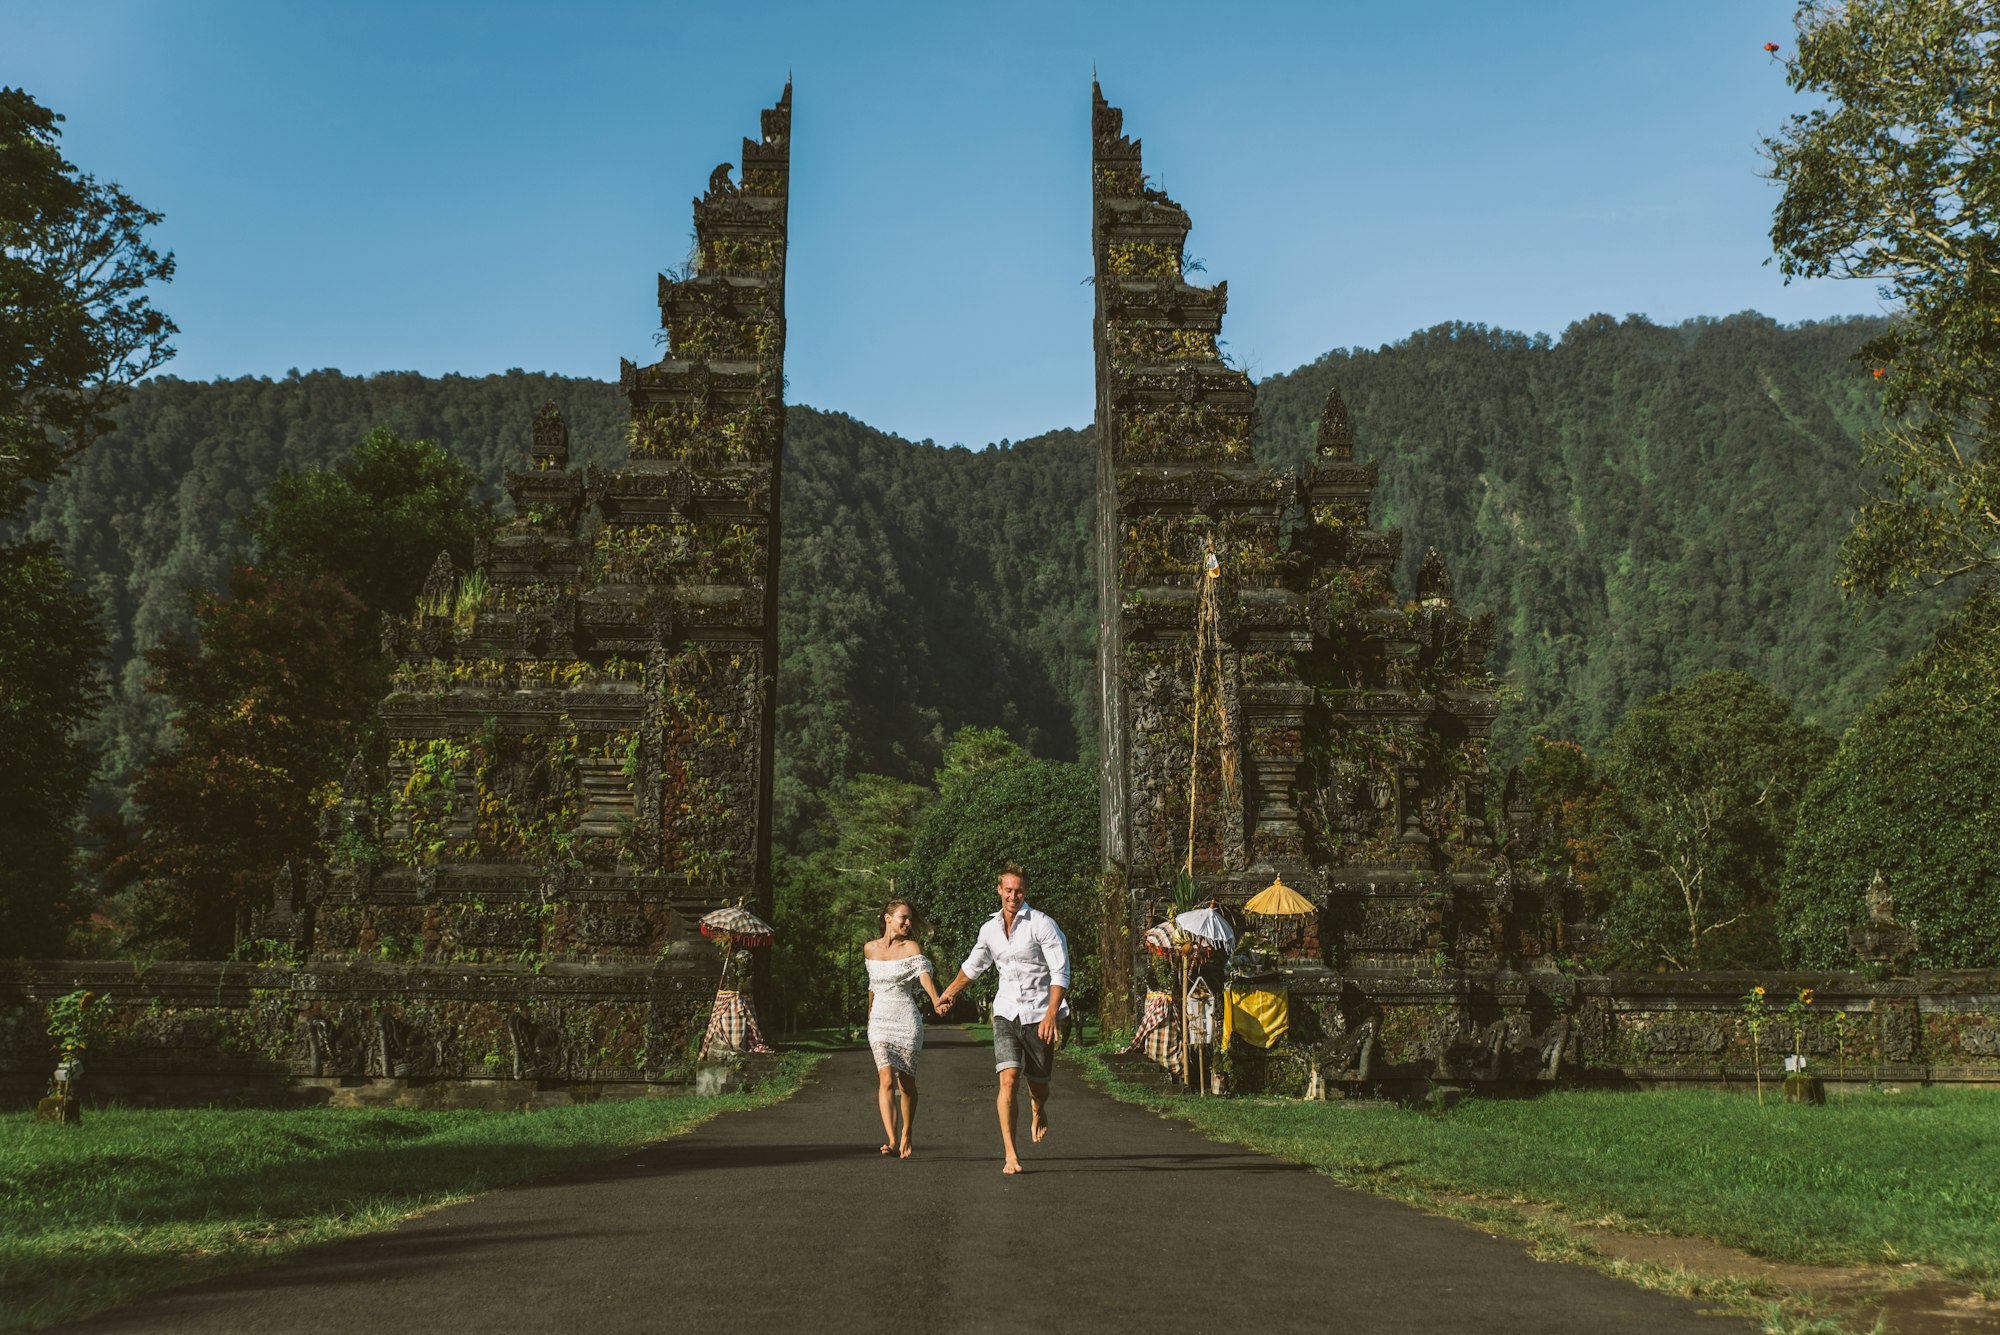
1258, 1016
732, 1026
1158, 1035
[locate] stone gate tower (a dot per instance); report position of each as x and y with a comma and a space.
1270, 707
581, 726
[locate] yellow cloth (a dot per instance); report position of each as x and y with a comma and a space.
1259, 1017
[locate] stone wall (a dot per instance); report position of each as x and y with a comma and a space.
174, 1032
1403, 1032
182, 1032
361, 1030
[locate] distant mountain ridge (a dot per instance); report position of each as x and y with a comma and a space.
1637, 503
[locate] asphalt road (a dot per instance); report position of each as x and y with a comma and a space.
787, 1218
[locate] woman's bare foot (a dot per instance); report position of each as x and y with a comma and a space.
906, 1151
1039, 1124
886, 1149
1013, 1166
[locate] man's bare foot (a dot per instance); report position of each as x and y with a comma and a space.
1040, 1122
1013, 1166
906, 1151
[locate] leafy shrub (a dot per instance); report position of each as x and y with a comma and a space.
1709, 777
1910, 794
1041, 814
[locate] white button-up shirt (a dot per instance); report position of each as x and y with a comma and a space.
1032, 959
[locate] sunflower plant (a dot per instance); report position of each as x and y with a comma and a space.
1756, 1013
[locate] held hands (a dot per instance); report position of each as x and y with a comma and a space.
942, 1001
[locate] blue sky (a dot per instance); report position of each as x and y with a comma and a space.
443, 187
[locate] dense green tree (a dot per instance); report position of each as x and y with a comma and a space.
375, 521
924, 589
1894, 177
161, 505
1708, 778
1910, 794
266, 704
829, 901
1039, 814
50, 643
76, 327
1575, 817
281, 684
972, 752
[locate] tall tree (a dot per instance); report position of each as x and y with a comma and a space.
375, 521
267, 703
279, 685
1709, 778
1896, 179
76, 327
1575, 816
828, 901
50, 643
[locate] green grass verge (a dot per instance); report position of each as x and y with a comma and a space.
138, 1199
1877, 1178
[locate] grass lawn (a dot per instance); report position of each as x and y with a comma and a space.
138, 1199
1880, 1177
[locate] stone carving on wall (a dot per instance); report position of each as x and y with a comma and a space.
543, 1051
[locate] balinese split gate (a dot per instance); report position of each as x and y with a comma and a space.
582, 726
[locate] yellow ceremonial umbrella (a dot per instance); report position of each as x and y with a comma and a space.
1278, 900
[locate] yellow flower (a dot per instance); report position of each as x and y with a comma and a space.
1806, 995
1758, 990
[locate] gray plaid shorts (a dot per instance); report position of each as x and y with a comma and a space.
1018, 1045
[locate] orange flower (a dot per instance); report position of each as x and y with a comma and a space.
1772, 47
1879, 373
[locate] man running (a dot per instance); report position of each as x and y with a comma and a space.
1034, 975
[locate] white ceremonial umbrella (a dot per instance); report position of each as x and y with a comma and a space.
1209, 925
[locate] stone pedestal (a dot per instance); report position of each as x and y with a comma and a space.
713, 1078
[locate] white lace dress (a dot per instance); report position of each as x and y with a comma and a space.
895, 1025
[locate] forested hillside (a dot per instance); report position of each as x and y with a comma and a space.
1637, 504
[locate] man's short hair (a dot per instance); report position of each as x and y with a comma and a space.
1011, 869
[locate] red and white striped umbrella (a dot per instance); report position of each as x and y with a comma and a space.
739, 925
1166, 938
